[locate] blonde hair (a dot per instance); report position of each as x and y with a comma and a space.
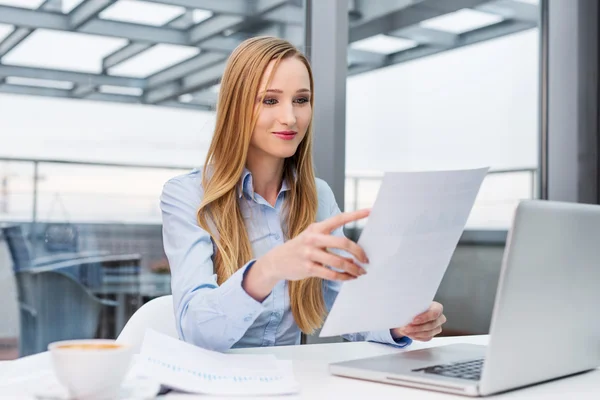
225, 163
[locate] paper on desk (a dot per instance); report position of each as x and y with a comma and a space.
411, 233
185, 367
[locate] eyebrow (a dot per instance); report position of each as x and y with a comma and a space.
281, 91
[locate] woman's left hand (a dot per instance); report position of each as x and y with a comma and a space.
424, 326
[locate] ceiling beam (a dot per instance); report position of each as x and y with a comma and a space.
19, 34
287, 14
220, 44
393, 18
95, 96
34, 90
70, 76
426, 36
188, 83
205, 97
194, 64
124, 53
22, 17
35, 19
87, 11
365, 57
113, 98
263, 6
188, 106
365, 11
134, 32
213, 26
52, 5
232, 7
80, 91
203, 70
132, 49
170, 91
202, 79
510, 9
480, 35
13, 40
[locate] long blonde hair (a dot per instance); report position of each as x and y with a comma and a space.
225, 163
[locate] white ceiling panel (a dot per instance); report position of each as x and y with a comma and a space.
63, 50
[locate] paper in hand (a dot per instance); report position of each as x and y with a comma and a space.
411, 234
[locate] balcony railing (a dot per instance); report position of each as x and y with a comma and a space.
43, 190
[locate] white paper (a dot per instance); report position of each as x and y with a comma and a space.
409, 238
182, 366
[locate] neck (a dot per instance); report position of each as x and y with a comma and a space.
267, 176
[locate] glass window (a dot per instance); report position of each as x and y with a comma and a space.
99, 117
443, 90
435, 88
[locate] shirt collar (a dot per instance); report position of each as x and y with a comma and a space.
245, 185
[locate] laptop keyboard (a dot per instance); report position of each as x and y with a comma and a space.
464, 370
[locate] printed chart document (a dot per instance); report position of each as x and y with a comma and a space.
410, 236
184, 367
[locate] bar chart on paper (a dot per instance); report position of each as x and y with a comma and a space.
185, 367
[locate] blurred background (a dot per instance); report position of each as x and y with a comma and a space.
102, 101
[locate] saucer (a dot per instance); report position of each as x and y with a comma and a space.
133, 388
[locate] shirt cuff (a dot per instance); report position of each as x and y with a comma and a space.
240, 306
385, 337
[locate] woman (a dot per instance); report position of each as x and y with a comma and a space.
247, 237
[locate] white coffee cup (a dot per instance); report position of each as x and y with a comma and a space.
91, 369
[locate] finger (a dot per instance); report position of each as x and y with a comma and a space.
319, 271
330, 224
426, 336
428, 326
333, 260
342, 243
434, 311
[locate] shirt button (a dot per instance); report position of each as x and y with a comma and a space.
277, 315
277, 237
248, 317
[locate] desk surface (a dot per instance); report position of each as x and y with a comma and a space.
311, 371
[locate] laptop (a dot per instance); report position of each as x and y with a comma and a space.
545, 321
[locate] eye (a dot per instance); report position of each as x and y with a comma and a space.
269, 101
302, 100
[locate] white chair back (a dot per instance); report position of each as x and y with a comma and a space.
157, 314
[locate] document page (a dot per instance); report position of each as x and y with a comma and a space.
409, 238
185, 367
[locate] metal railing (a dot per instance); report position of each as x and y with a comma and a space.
361, 189
356, 179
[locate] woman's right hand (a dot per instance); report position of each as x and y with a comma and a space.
306, 256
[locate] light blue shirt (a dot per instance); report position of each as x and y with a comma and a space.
221, 317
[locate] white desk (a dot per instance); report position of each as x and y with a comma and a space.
311, 370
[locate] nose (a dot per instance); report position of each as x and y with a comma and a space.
287, 115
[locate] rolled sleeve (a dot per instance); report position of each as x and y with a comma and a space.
240, 307
208, 315
385, 337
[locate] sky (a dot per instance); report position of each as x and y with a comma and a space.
470, 107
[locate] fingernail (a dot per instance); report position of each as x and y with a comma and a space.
363, 271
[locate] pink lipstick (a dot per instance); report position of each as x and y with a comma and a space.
286, 135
